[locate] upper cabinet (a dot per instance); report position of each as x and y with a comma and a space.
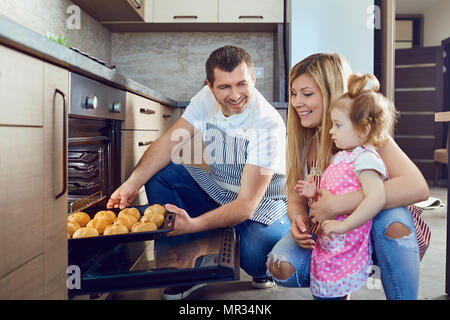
115, 10
251, 11
180, 11
186, 15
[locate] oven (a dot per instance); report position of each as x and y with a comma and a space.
96, 113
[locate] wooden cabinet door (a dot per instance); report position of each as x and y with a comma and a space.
21, 88
22, 209
271, 11
181, 11
56, 90
134, 143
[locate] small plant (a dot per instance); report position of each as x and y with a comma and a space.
59, 39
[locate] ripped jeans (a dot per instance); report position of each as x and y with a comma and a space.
398, 259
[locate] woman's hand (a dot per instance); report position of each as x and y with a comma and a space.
325, 207
300, 232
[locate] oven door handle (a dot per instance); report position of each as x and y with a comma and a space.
64, 189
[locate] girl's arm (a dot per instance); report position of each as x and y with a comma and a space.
374, 199
405, 186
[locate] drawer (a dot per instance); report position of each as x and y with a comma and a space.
134, 144
21, 89
145, 114
176, 11
251, 11
22, 196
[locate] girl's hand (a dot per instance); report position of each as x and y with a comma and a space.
306, 188
300, 232
333, 226
324, 208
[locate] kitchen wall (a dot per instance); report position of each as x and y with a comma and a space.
174, 62
436, 22
169, 62
44, 16
332, 26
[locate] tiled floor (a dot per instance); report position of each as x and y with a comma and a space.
432, 274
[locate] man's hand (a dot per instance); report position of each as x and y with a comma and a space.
123, 196
183, 222
300, 232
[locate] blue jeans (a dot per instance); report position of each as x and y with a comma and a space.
173, 184
398, 259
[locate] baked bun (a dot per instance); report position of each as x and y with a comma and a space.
109, 215
144, 227
72, 226
155, 208
99, 224
133, 211
85, 232
157, 218
131, 218
128, 223
115, 229
79, 217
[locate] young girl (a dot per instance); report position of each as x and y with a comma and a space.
361, 121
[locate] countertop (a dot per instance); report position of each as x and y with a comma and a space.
23, 39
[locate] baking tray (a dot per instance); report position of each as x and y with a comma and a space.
169, 223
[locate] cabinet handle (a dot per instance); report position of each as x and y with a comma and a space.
251, 17
147, 111
146, 143
166, 116
57, 91
185, 17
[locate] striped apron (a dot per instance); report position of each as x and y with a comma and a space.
228, 156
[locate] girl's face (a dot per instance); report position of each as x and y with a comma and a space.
307, 100
343, 133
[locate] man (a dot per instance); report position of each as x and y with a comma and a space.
245, 148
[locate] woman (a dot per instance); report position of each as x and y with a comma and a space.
314, 83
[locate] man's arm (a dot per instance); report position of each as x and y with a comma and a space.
254, 182
157, 156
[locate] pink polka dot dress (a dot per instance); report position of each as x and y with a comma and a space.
342, 265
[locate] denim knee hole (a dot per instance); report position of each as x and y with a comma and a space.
404, 231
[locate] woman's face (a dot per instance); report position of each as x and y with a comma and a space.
307, 100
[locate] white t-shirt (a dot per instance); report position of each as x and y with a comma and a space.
260, 123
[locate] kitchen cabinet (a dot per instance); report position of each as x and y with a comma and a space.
145, 121
205, 16
33, 231
254, 11
177, 11
115, 10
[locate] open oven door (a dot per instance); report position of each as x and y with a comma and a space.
210, 256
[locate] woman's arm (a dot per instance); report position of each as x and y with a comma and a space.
297, 211
405, 186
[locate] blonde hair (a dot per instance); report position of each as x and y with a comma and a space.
368, 107
330, 72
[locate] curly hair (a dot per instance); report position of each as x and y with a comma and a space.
368, 107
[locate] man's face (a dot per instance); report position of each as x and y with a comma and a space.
233, 90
